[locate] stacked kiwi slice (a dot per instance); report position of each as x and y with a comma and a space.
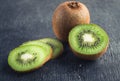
56, 45
33, 54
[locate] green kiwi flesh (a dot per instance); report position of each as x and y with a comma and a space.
45, 46
55, 44
28, 57
88, 41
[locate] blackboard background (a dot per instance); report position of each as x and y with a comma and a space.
23, 20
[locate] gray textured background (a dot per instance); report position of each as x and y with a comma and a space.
23, 20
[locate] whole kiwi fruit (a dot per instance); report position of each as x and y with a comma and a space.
88, 41
67, 15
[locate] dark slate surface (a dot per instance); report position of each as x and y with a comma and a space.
23, 20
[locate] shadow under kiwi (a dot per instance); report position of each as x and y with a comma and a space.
71, 61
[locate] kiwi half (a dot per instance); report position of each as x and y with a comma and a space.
67, 15
28, 57
55, 44
88, 41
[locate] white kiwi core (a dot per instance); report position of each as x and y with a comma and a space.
88, 38
25, 57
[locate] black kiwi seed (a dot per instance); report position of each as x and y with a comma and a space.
26, 61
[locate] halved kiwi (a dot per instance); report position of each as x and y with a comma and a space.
88, 41
67, 15
28, 57
56, 45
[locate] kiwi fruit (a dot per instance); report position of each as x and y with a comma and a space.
39, 43
45, 46
88, 41
67, 15
55, 44
28, 57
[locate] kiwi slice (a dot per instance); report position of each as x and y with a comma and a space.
88, 41
45, 46
28, 57
55, 44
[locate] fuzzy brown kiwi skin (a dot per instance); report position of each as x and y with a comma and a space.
91, 57
66, 16
47, 59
